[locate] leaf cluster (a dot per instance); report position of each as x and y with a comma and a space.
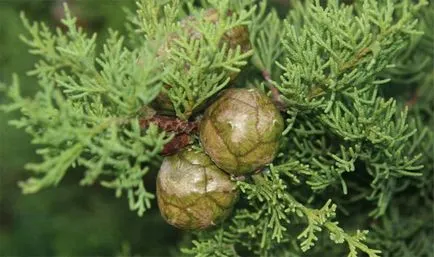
85, 113
345, 139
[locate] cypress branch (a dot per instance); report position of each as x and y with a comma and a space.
353, 150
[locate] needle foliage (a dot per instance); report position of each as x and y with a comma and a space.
355, 84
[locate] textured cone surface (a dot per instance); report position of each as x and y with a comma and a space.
192, 192
241, 131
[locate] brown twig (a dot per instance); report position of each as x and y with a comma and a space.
413, 100
170, 124
181, 128
177, 143
274, 92
350, 64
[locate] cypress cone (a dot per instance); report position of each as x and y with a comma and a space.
192, 192
241, 130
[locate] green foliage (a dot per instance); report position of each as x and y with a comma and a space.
85, 108
263, 228
341, 49
405, 233
332, 76
199, 67
355, 153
